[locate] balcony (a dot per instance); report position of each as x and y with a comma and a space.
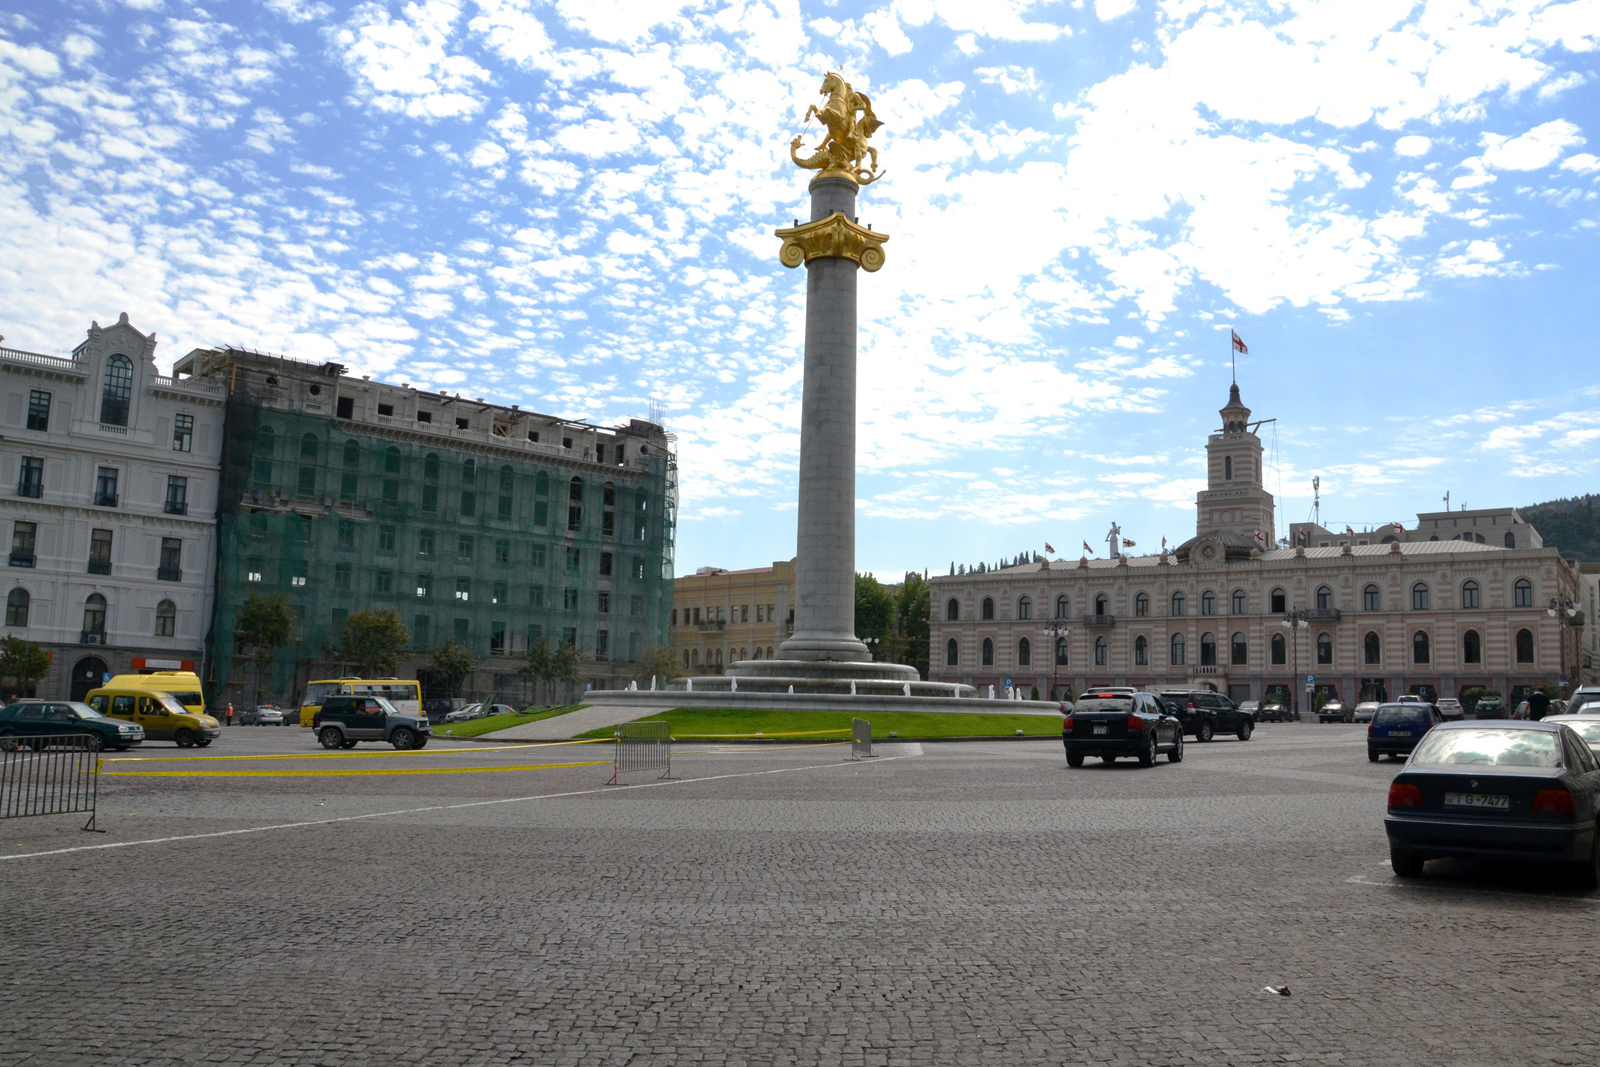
1322, 614
1093, 621
169, 574
1208, 669
177, 507
33, 490
105, 500
99, 566
92, 637
715, 626
22, 559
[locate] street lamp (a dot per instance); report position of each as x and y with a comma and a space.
1295, 619
1057, 629
1563, 607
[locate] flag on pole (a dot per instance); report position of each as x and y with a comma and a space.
1163, 544
1238, 344
1261, 538
1349, 531
1398, 528
1128, 544
1087, 549
1048, 549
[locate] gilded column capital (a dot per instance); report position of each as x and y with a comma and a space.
834, 236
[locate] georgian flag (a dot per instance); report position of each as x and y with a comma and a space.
1349, 531
1238, 344
1128, 544
1048, 549
1087, 549
1261, 538
1398, 528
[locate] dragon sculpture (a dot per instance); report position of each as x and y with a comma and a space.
845, 146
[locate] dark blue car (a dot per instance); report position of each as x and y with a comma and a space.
1396, 728
1505, 789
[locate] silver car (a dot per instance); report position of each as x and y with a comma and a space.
1365, 710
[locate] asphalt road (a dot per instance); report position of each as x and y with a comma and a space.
940, 904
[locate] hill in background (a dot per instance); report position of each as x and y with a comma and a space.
1570, 524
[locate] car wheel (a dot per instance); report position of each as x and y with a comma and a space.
1246, 727
1589, 870
330, 737
347, 744
403, 739
184, 738
1371, 755
1176, 755
8, 743
1202, 732
1406, 864
95, 743
202, 742
1147, 755
1074, 759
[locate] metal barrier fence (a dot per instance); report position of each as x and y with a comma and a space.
50, 776
860, 738
642, 746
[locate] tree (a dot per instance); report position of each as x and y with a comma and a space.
565, 662
536, 664
266, 624
372, 641
658, 663
912, 607
450, 663
874, 610
25, 661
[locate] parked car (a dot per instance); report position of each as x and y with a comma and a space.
1272, 711
36, 721
1396, 728
1586, 726
1205, 714
1364, 711
487, 710
438, 708
1514, 790
1490, 708
345, 721
1335, 711
1585, 697
1110, 725
462, 714
267, 715
1253, 707
1450, 708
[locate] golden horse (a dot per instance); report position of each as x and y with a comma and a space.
845, 146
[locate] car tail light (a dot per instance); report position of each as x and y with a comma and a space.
1191, 705
1553, 802
1404, 795
1066, 724
1372, 729
1135, 723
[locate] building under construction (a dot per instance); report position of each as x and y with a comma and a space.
492, 525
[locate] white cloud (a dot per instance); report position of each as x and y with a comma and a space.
1412, 146
1583, 162
1534, 150
1107, 10
406, 65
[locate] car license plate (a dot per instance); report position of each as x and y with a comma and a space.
1100, 728
1477, 800
1399, 733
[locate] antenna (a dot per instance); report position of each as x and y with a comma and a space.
1447, 500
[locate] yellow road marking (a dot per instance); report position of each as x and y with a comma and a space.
349, 773
346, 755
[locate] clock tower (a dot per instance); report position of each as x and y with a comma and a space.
1235, 506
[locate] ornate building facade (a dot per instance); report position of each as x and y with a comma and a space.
1431, 610
721, 617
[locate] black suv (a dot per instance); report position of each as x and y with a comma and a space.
344, 721
1206, 714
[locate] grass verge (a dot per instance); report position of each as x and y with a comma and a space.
475, 727
711, 723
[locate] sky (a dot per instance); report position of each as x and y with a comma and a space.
569, 205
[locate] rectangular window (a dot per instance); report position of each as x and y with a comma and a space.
497, 639
501, 593
569, 600
252, 570
674, 621
346, 533
503, 508
105, 488
538, 555
469, 503
602, 645
22, 542
535, 635
569, 636
533, 435
419, 631
536, 596
502, 551
425, 543
177, 495
463, 424
391, 492
599, 453
298, 581
383, 582
464, 548
605, 564
38, 410
386, 540
341, 578
463, 589
638, 570
424, 416
386, 410
430, 497
339, 617
171, 569
636, 605
463, 633
183, 433
603, 602
424, 586
574, 557
31, 481
99, 551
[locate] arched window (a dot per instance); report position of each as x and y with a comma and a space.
1371, 653
1511, 539
306, 483
1239, 602
988, 652
261, 461
1227, 467
1239, 650
1024, 608
1524, 593
17, 602
430, 486
1208, 650
1524, 646
1324, 649
1062, 607
541, 499
469, 471
349, 481
1471, 647
758, 652
117, 392
988, 608
1100, 657
1280, 650
507, 476
1101, 604
686, 657
508, 479
352, 455
1024, 653
1176, 651
1370, 600
1419, 648
1061, 652
391, 460
952, 610
1324, 597
1469, 594
166, 618
1177, 603
1279, 601
94, 616
575, 503
1208, 603
696, 657
1419, 597
952, 653
1141, 652
1141, 605
769, 652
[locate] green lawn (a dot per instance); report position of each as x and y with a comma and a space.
709, 723
474, 727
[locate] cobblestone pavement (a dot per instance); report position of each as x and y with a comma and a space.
942, 904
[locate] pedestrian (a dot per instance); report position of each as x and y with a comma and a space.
1538, 705
230, 714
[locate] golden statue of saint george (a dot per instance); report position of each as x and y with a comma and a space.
850, 122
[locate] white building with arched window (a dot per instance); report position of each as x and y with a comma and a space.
1461, 600
108, 477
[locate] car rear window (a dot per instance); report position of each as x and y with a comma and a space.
1489, 748
1410, 713
1583, 700
1093, 704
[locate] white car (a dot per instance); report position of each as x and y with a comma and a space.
463, 714
267, 715
1365, 711
1449, 707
